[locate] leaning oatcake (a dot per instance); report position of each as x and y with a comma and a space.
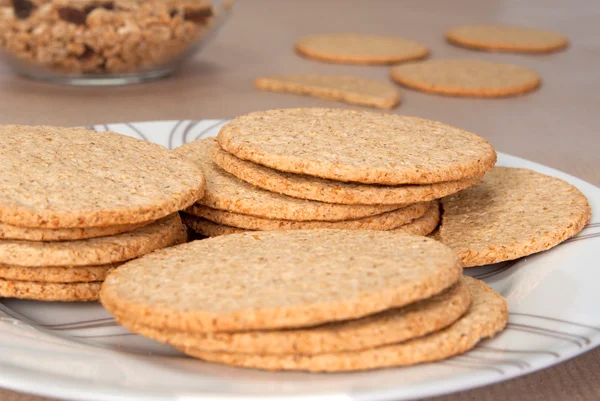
512, 213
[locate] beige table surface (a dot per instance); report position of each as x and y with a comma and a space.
556, 126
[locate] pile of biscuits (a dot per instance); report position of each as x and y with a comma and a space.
313, 300
76, 204
286, 290
102, 36
328, 266
294, 169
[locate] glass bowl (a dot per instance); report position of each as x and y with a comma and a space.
105, 42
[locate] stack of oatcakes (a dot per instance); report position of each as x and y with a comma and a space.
314, 168
76, 204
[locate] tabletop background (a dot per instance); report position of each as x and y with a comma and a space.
556, 125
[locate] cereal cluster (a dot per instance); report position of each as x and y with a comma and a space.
101, 36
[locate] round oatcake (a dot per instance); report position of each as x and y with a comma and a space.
353, 48
225, 192
513, 212
384, 221
276, 279
57, 274
391, 326
358, 146
94, 251
508, 38
315, 188
475, 78
63, 234
71, 177
63, 292
486, 316
423, 225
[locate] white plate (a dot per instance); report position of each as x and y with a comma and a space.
76, 351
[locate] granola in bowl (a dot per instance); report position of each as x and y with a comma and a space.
87, 39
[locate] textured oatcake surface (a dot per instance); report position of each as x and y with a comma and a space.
391, 326
507, 38
63, 234
57, 274
359, 146
476, 78
226, 192
352, 90
94, 251
355, 48
277, 279
487, 316
67, 292
71, 177
384, 221
512, 213
324, 190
